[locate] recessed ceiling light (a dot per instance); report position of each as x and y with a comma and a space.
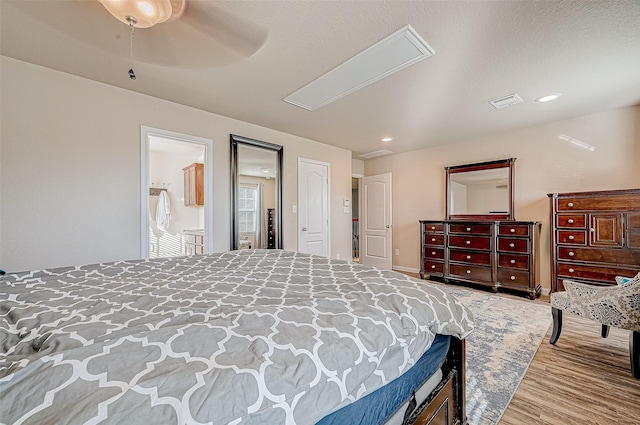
387, 139
549, 97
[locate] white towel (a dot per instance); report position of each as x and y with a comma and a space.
163, 211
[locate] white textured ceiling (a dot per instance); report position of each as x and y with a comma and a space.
587, 50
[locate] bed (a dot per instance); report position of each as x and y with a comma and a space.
242, 337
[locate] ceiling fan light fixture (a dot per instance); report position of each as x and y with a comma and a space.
145, 13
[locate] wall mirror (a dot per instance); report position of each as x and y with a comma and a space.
256, 195
481, 191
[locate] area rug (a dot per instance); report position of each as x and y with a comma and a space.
507, 335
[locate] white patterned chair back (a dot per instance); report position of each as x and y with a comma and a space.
617, 306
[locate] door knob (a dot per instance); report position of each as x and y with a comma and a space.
388, 226
304, 229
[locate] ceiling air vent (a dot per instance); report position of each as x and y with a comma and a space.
395, 52
504, 101
375, 154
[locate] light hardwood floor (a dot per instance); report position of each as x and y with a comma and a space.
583, 380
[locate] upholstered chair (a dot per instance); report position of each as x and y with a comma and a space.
617, 306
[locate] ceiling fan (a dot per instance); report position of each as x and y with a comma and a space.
192, 34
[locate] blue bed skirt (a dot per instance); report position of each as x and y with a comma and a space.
376, 408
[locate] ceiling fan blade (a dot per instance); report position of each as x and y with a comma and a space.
188, 41
226, 28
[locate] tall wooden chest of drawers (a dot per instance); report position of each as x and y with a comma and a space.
595, 236
491, 253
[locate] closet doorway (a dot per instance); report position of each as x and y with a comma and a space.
176, 194
355, 218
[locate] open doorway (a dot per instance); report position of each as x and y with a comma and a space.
355, 219
176, 194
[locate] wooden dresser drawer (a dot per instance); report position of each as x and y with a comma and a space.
633, 228
582, 271
434, 253
513, 277
633, 221
470, 257
471, 229
470, 242
513, 245
470, 272
599, 203
437, 240
513, 229
574, 237
435, 267
599, 255
560, 286
517, 261
577, 221
433, 227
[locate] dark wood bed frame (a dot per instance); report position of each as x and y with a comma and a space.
446, 403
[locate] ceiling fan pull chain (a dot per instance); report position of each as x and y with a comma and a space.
132, 74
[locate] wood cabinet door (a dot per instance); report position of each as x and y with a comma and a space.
605, 229
187, 187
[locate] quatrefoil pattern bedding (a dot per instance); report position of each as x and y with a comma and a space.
243, 337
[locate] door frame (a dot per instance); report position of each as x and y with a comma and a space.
328, 166
145, 134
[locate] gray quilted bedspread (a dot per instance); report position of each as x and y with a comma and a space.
243, 337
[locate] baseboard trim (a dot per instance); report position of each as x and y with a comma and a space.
405, 269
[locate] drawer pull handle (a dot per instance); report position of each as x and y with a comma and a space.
468, 242
570, 221
511, 245
433, 239
468, 257
592, 229
468, 229
433, 227
571, 254
571, 237
468, 271
512, 261
433, 267
571, 270
433, 253
513, 278
570, 204
512, 230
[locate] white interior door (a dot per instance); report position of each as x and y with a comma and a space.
313, 207
376, 221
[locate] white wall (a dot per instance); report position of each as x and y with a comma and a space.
70, 168
485, 198
357, 167
458, 201
545, 164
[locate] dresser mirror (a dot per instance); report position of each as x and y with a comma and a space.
480, 191
256, 194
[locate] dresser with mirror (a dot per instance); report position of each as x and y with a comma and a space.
480, 241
